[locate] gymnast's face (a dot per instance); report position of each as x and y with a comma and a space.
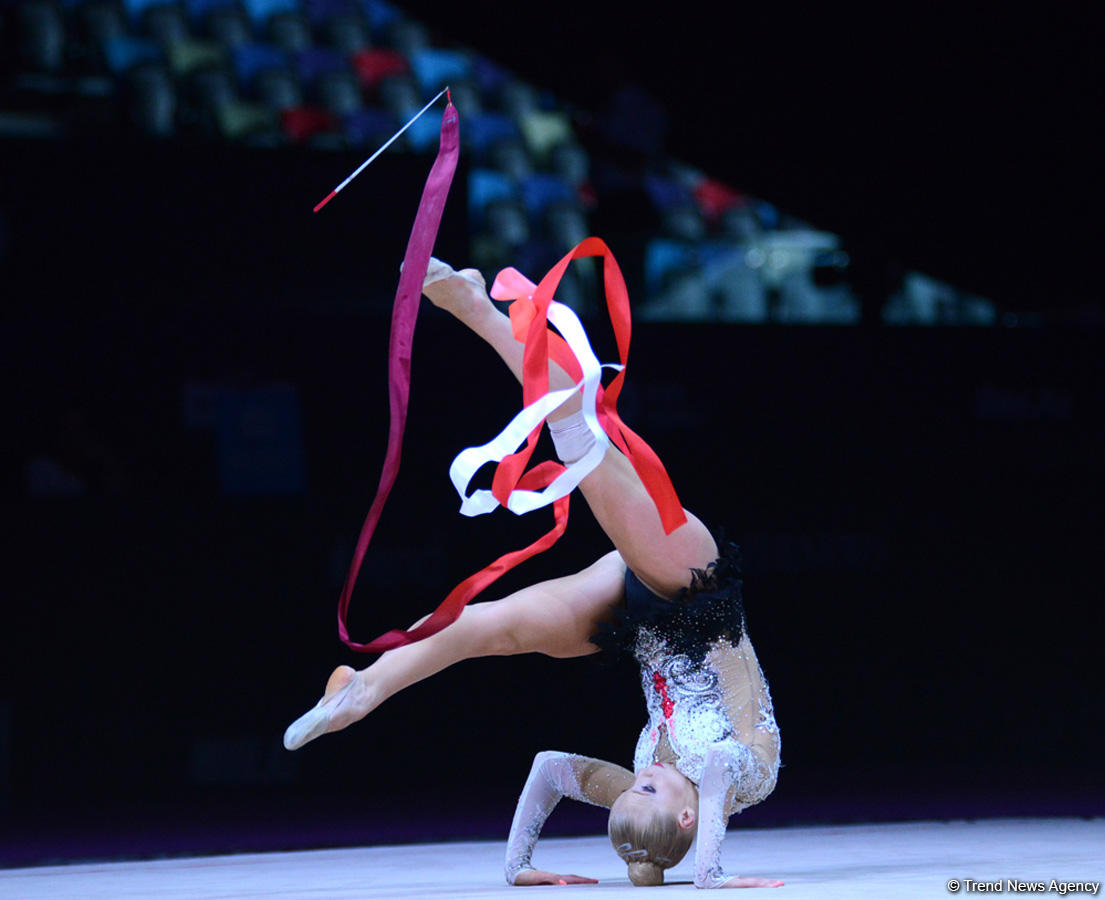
660, 788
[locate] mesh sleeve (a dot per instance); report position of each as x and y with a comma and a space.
748, 706
728, 766
552, 776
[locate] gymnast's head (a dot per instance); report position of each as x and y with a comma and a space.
653, 823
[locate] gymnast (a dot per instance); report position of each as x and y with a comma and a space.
673, 601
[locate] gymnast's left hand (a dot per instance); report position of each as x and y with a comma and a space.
739, 882
535, 876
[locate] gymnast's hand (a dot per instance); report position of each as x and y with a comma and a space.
738, 882
535, 876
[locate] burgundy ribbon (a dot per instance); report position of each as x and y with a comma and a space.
416, 260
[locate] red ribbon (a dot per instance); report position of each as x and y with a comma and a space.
529, 320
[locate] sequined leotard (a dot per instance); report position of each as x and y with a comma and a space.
710, 714
718, 701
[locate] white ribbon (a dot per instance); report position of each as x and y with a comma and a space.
470, 460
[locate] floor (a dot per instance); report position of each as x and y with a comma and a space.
915, 859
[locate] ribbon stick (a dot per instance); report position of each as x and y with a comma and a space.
391, 140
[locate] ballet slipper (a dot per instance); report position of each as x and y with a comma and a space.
463, 294
439, 271
316, 721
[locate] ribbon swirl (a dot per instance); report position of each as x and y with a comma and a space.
513, 487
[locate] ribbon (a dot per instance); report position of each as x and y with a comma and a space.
416, 259
520, 501
532, 308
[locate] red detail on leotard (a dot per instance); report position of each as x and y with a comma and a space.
660, 683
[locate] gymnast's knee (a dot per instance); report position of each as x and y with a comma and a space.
489, 630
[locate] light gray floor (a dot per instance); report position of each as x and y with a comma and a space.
857, 862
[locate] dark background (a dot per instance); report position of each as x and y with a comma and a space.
961, 139
919, 508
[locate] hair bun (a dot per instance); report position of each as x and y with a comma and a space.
645, 874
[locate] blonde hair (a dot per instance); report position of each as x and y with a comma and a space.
650, 846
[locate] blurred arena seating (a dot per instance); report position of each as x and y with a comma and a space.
345, 74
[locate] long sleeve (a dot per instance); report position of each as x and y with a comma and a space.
552, 776
728, 766
748, 707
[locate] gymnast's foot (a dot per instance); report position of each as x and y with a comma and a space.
345, 701
463, 293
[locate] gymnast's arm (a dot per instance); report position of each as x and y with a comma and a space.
728, 764
552, 776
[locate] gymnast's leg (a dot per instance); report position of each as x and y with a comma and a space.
554, 617
614, 491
